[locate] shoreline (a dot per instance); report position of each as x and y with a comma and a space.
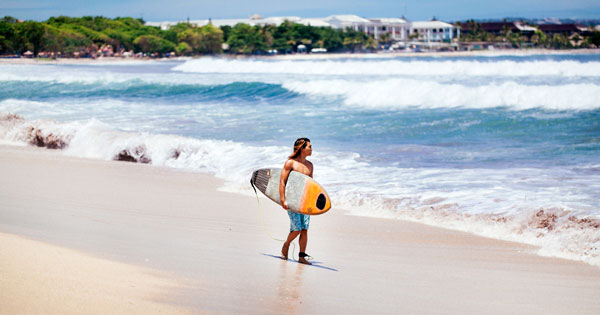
385, 54
179, 223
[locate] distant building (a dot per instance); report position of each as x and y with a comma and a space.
433, 31
498, 28
348, 21
567, 29
397, 28
252, 21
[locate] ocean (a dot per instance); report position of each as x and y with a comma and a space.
503, 146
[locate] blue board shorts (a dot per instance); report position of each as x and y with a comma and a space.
298, 222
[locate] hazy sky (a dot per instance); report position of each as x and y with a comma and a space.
159, 10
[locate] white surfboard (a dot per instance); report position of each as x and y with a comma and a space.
302, 193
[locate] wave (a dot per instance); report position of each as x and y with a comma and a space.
403, 93
388, 94
555, 209
458, 68
246, 91
369, 84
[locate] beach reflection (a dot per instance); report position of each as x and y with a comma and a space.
290, 286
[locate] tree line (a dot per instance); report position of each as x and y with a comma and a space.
84, 36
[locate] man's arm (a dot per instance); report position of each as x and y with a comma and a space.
285, 172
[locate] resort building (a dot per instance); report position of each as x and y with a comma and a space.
348, 21
398, 28
498, 28
395, 27
252, 21
433, 31
567, 29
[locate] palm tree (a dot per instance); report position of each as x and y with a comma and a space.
371, 44
385, 38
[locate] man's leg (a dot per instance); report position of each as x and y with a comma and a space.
286, 245
303, 242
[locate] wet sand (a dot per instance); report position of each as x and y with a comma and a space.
191, 247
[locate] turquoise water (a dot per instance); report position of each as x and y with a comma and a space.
480, 144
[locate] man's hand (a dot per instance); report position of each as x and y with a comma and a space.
285, 205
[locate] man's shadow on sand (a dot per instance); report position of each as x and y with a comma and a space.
316, 264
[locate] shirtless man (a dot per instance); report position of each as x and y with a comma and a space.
298, 222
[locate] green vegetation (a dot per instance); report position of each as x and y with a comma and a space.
89, 36
246, 39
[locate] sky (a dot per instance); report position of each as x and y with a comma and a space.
177, 10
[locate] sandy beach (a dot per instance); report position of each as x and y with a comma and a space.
90, 236
38, 278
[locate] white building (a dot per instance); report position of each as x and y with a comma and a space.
524, 28
396, 27
252, 21
347, 21
399, 29
433, 31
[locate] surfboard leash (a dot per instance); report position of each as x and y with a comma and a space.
263, 225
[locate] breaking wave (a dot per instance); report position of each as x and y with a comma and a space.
386, 94
403, 93
409, 67
371, 84
246, 91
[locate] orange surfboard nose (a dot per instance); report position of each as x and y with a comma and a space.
314, 200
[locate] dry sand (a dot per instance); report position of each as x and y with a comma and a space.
36, 278
168, 222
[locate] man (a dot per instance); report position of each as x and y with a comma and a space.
298, 222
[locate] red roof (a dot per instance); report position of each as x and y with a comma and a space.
559, 28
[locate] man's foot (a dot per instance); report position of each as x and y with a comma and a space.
304, 261
303, 258
284, 251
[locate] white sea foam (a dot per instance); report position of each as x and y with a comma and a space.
375, 93
78, 110
87, 75
37, 73
403, 93
551, 208
566, 68
346, 81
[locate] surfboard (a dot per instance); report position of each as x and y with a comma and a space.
302, 193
